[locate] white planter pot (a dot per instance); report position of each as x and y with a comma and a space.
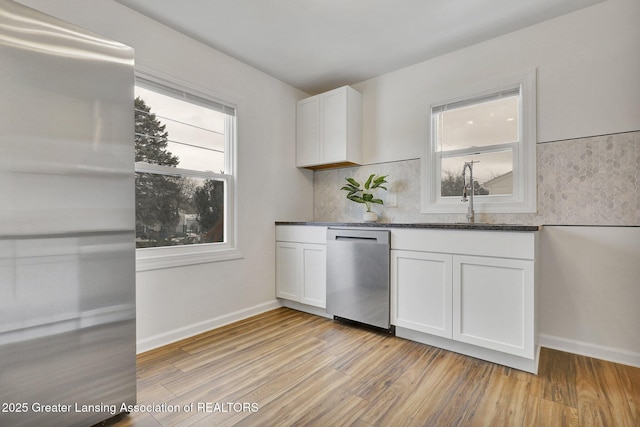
370, 217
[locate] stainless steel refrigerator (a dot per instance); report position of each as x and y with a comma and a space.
67, 223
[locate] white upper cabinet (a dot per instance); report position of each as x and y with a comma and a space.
329, 129
308, 131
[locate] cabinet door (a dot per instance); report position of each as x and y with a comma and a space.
314, 275
422, 291
494, 303
333, 122
308, 132
288, 270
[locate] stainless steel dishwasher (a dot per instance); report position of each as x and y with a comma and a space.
358, 276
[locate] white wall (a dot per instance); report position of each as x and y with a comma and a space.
588, 64
590, 290
175, 303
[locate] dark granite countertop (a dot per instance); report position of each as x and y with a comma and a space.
421, 225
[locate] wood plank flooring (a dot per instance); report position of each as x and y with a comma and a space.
286, 367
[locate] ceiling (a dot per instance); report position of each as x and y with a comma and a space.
317, 45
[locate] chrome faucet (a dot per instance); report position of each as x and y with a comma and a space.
468, 186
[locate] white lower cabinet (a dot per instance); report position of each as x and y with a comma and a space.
482, 306
288, 270
314, 275
422, 291
494, 303
301, 264
472, 292
301, 273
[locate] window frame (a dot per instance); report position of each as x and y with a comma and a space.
524, 197
175, 256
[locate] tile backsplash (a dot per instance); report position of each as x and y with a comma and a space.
585, 181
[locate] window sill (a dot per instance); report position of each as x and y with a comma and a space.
494, 207
159, 258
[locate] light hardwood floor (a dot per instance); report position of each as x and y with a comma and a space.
285, 368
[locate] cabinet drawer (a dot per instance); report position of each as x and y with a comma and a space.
302, 234
503, 244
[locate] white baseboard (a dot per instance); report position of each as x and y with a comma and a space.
169, 337
596, 351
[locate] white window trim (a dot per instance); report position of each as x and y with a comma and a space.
524, 199
178, 256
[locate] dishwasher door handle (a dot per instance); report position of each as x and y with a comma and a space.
354, 238
363, 236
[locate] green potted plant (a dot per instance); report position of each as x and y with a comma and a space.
364, 194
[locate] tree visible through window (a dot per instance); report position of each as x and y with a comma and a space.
177, 205
452, 184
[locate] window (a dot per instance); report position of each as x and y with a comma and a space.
184, 144
493, 128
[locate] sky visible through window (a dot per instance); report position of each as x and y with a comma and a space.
474, 129
196, 134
